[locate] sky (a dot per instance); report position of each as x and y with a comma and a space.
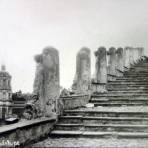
27, 26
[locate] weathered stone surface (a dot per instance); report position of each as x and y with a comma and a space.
82, 80
24, 132
46, 84
120, 61
112, 61
101, 65
128, 56
75, 101
135, 55
100, 78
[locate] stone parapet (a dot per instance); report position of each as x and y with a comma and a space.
25, 132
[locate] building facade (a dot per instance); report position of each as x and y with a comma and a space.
5, 93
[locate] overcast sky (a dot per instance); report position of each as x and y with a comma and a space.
27, 26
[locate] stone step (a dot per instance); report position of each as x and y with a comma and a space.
96, 104
127, 86
128, 82
120, 92
69, 127
135, 76
102, 120
128, 93
142, 65
117, 99
118, 95
71, 119
116, 128
139, 71
114, 120
63, 133
130, 79
86, 134
102, 127
99, 113
127, 89
136, 71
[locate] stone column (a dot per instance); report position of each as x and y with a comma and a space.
99, 84
120, 61
46, 83
82, 80
135, 55
112, 61
128, 56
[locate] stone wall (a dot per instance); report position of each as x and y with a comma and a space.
25, 132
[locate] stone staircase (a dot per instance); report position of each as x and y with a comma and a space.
121, 112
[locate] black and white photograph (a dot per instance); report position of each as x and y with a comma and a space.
73, 73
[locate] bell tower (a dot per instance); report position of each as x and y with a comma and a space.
5, 93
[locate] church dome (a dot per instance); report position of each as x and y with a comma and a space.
3, 72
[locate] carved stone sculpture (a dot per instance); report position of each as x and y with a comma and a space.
46, 84
81, 84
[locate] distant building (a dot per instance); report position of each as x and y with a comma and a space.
5, 93
19, 103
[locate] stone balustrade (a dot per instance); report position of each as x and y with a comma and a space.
112, 63
109, 65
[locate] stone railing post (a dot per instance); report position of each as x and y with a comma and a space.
100, 80
82, 80
112, 61
46, 84
120, 61
128, 51
135, 55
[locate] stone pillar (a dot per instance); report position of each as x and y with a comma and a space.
135, 55
82, 80
99, 84
46, 84
128, 56
112, 61
120, 61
